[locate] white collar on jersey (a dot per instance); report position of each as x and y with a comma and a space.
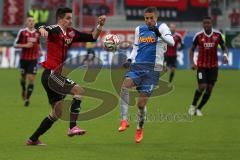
208, 35
31, 31
62, 29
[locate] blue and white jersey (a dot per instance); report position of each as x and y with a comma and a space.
148, 48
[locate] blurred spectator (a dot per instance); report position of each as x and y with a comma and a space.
1, 54
234, 18
215, 11
223, 36
47, 4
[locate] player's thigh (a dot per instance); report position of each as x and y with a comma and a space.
52, 95
201, 76
31, 67
212, 76
60, 84
77, 91
23, 67
148, 83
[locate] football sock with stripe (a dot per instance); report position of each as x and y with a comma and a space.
171, 76
75, 109
23, 85
197, 95
43, 127
204, 100
29, 90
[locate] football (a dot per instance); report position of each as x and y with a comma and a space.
111, 42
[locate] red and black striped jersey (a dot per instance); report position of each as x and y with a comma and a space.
58, 43
25, 36
207, 48
172, 50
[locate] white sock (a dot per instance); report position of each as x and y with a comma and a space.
124, 101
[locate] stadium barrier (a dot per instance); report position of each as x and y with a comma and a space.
9, 57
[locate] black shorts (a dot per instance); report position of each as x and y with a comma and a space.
170, 61
56, 86
207, 75
28, 66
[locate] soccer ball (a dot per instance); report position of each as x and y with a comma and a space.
111, 42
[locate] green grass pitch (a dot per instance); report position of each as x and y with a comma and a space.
215, 136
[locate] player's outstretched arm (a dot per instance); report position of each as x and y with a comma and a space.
43, 31
98, 30
164, 33
191, 57
225, 53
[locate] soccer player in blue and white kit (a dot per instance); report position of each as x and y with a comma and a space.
146, 62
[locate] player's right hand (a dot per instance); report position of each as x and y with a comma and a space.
43, 32
127, 63
194, 66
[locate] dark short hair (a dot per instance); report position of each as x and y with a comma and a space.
207, 18
151, 10
29, 16
61, 12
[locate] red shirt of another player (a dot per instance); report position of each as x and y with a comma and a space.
172, 50
59, 42
207, 48
25, 36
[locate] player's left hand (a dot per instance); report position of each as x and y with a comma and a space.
41, 53
127, 63
225, 60
101, 20
43, 32
155, 30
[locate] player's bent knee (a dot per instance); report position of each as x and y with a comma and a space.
202, 87
77, 91
127, 83
141, 103
30, 78
55, 115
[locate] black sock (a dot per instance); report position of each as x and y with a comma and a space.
23, 85
29, 90
171, 76
75, 109
44, 126
197, 95
204, 100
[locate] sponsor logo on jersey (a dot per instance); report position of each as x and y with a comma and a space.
208, 45
32, 39
148, 39
68, 41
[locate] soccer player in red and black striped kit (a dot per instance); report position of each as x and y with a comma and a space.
207, 41
59, 39
28, 39
171, 55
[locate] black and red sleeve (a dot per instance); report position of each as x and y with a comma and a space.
195, 40
83, 37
